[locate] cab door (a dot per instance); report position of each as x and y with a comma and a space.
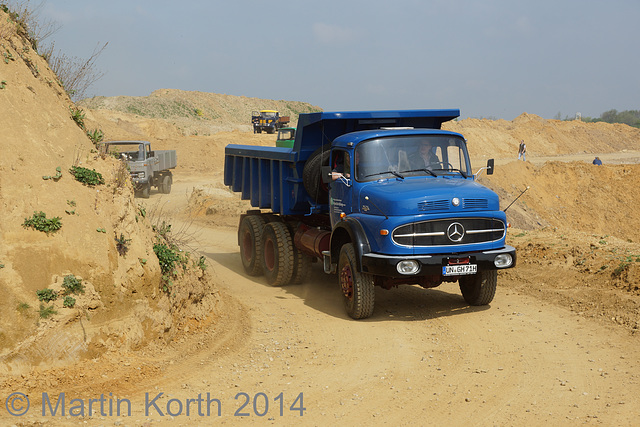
340, 187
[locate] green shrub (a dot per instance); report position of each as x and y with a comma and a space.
47, 295
72, 285
78, 116
45, 312
69, 302
55, 177
86, 176
202, 263
168, 257
95, 135
40, 222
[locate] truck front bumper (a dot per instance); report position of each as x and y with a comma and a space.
387, 265
139, 178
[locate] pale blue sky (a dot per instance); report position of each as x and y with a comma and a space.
495, 58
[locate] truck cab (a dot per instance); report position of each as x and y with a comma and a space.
286, 137
268, 120
413, 194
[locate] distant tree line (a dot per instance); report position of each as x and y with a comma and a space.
627, 117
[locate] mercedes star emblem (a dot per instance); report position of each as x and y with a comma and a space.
455, 232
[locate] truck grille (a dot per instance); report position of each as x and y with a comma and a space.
434, 205
445, 204
449, 232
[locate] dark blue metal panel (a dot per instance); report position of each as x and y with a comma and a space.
274, 178
236, 180
264, 201
255, 183
276, 153
228, 170
246, 178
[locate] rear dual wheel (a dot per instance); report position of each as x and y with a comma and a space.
250, 240
278, 257
267, 248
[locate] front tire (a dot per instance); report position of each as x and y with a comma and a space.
480, 288
250, 240
277, 254
357, 288
146, 190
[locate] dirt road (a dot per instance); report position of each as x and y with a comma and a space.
424, 357
291, 356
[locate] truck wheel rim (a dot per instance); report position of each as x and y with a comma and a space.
346, 282
269, 255
247, 247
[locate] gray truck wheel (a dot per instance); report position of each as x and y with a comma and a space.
165, 187
357, 288
277, 254
146, 190
250, 240
480, 288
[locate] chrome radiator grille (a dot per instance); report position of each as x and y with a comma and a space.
448, 232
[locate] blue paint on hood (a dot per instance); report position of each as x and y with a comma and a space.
425, 195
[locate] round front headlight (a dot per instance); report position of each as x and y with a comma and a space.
408, 267
503, 261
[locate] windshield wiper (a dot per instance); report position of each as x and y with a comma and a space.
429, 171
384, 172
454, 170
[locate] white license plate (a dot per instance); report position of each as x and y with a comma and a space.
458, 270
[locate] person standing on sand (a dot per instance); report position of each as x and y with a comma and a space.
522, 151
597, 161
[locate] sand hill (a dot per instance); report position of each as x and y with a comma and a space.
123, 304
189, 113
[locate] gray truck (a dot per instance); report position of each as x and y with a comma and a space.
148, 168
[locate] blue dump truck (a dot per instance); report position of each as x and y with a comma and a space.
383, 198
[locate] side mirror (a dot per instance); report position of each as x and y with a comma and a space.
490, 167
326, 174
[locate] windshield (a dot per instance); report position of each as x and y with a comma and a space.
268, 113
419, 155
285, 134
132, 152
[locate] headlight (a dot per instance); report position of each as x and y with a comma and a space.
503, 261
408, 267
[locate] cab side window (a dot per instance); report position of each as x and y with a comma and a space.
342, 163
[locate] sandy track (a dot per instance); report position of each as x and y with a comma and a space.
423, 357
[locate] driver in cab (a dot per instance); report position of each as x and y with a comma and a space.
425, 158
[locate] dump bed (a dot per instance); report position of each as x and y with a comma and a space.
271, 177
167, 159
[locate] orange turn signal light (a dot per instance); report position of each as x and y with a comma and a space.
384, 232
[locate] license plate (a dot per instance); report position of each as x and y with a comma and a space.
458, 270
